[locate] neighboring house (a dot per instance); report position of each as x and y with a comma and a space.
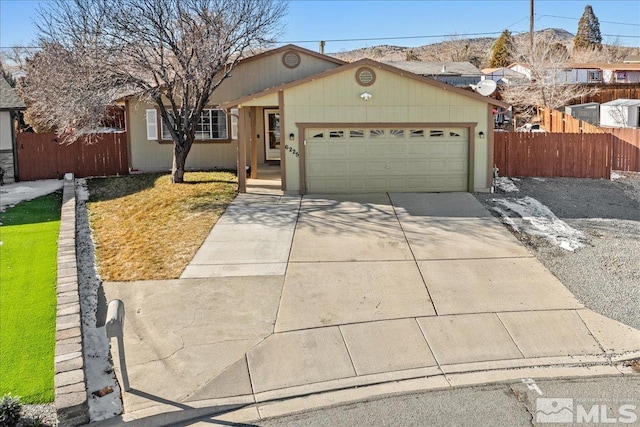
333, 127
10, 104
620, 113
593, 73
502, 75
588, 112
460, 74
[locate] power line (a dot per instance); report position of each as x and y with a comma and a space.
577, 19
391, 38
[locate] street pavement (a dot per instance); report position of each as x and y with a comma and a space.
591, 401
344, 298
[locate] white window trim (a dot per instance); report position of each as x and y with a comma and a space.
152, 124
234, 123
167, 137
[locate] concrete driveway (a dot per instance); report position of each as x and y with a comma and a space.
291, 297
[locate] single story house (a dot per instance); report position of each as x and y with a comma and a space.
620, 113
333, 127
592, 73
460, 74
502, 75
10, 104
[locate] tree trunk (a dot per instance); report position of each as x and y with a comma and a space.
179, 160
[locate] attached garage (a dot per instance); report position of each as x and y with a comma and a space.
371, 127
399, 158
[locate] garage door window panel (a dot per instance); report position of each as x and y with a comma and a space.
416, 133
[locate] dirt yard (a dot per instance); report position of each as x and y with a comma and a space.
589, 237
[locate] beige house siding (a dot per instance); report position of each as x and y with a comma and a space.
5, 130
256, 75
149, 156
250, 76
395, 99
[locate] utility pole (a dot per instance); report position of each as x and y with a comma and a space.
531, 26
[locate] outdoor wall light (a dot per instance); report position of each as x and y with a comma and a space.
366, 96
291, 136
481, 134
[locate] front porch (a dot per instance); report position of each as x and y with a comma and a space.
267, 180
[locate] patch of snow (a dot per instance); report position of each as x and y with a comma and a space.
539, 220
506, 185
506, 220
615, 175
539, 179
98, 365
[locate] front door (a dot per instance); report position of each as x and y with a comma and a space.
272, 134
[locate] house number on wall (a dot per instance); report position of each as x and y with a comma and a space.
292, 150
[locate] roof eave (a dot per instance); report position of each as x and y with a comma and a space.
359, 63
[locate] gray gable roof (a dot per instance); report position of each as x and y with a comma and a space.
9, 99
437, 68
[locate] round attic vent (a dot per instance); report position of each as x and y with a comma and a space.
365, 76
291, 59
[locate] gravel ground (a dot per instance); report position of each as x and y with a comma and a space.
605, 274
39, 415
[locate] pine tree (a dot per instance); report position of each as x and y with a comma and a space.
502, 51
588, 35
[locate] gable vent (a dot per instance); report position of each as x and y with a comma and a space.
291, 59
365, 76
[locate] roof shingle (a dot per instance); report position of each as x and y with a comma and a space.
9, 99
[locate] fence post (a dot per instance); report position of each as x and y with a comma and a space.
114, 327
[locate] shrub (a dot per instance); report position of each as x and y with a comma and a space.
10, 408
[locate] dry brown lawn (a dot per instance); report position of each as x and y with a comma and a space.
146, 228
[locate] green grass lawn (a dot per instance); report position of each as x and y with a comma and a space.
28, 264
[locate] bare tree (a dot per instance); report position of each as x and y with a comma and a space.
172, 53
546, 83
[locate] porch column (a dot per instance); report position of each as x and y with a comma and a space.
242, 150
254, 143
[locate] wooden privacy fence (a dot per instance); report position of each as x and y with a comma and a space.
626, 149
41, 156
577, 155
625, 141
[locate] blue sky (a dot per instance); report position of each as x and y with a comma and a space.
309, 21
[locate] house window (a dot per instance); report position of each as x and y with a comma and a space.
621, 76
594, 76
211, 125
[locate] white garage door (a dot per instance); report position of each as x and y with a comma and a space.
386, 159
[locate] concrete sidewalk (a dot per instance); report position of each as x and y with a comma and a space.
16, 192
387, 293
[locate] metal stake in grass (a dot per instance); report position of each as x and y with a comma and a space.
114, 327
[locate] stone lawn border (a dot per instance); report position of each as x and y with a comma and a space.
71, 401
